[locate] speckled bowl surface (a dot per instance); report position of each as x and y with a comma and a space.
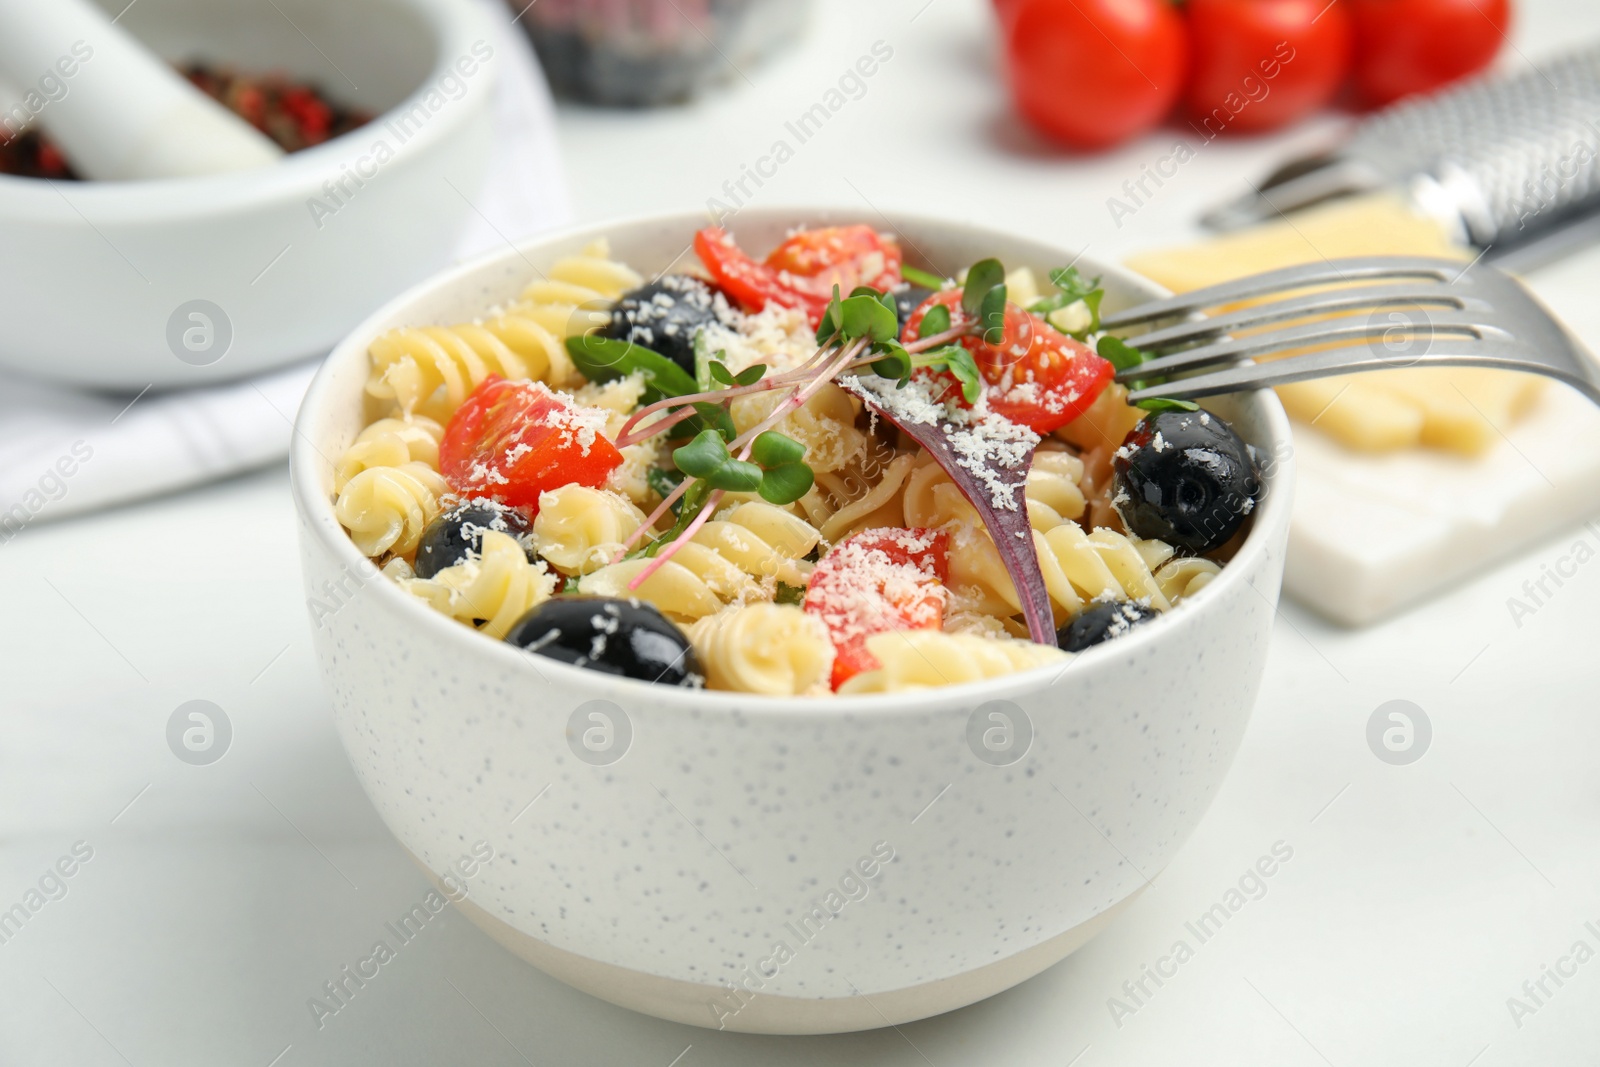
778, 866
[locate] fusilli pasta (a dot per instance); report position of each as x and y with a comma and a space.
1078, 568
493, 591
386, 508
923, 659
1053, 493
773, 649
579, 529
430, 370
863, 496
764, 541
825, 424
694, 583
389, 443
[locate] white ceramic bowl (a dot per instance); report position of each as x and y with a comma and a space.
96, 274
655, 881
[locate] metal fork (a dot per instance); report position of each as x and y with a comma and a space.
1390, 311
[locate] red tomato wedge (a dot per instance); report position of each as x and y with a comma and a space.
1035, 375
875, 582
802, 271
512, 441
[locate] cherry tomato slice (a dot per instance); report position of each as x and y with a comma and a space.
875, 582
1035, 375
802, 271
511, 441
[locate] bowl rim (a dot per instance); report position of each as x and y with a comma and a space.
318, 519
455, 25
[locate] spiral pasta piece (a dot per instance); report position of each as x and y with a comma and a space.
579, 529
386, 508
1079, 568
1053, 493
1185, 576
697, 581
492, 591
825, 424
431, 370
771, 649
389, 443
865, 496
925, 659
764, 541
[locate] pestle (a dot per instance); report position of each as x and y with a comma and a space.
117, 110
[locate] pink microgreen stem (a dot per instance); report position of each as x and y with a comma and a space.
682, 539
654, 517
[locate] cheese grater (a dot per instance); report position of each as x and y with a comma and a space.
1508, 164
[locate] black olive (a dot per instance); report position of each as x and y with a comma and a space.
665, 315
1101, 622
908, 300
458, 533
1184, 477
616, 636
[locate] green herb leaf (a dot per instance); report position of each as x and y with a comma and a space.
772, 448
600, 359
690, 505
1073, 285
665, 482
702, 361
982, 276
786, 483
965, 368
750, 375
789, 594
1161, 403
712, 417
922, 278
959, 362
1119, 353
831, 319
992, 315
704, 456
896, 363
865, 316
720, 373
935, 322
736, 476
1071, 288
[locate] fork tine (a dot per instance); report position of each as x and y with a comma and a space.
1361, 268
1338, 301
1436, 326
1452, 352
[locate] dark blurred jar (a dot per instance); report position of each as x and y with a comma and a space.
638, 53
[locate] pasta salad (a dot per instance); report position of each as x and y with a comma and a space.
821, 471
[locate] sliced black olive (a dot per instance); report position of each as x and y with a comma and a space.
1184, 477
628, 638
458, 533
665, 315
1101, 622
908, 300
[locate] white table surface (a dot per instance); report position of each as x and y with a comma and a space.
219, 898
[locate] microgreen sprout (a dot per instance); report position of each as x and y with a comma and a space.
856, 332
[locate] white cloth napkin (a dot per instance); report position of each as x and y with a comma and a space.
64, 452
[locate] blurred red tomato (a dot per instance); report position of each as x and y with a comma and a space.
1261, 64
1091, 73
1414, 46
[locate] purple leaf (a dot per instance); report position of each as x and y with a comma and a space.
987, 457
